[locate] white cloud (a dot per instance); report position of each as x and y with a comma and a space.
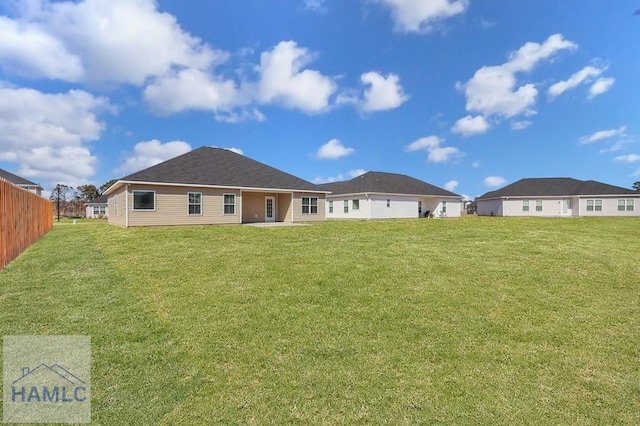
283, 80
603, 135
99, 40
585, 75
383, 93
149, 153
602, 85
46, 133
469, 125
192, 89
333, 150
419, 15
436, 152
520, 125
494, 90
340, 177
451, 185
629, 158
494, 181
475, 164
314, 5
236, 150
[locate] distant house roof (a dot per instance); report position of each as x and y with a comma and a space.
101, 199
217, 167
15, 179
386, 183
556, 187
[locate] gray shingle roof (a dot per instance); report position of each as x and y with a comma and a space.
15, 179
555, 187
386, 183
219, 167
100, 199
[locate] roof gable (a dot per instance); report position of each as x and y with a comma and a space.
219, 167
15, 179
387, 183
555, 187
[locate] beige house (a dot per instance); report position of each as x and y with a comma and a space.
213, 186
21, 182
381, 195
557, 197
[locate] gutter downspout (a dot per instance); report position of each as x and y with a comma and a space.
126, 206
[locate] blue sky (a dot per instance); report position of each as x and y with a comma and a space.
464, 94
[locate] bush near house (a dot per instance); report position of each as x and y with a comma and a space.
476, 320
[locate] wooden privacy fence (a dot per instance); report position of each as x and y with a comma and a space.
24, 218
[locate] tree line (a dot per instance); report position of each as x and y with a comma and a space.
69, 201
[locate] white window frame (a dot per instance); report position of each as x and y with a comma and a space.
630, 203
538, 205
346, 206
388, 202
355, 205
189, 203
308, 203
330, 206
525, 205
622, 205
133, 200
225, 204
96, 210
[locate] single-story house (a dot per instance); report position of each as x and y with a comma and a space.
472, 207
379, 195
97, 208
21, 182
213, 186
553, 197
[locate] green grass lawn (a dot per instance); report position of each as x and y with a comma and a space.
477, 320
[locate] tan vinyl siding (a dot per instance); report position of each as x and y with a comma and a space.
298, 216
117, 218
254, 206
285, 208
171, 207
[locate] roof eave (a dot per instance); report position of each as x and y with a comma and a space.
119, 183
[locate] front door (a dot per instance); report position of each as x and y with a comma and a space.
565, 207
270, 209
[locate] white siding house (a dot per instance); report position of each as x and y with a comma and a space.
559, 197
378, 195
97, 208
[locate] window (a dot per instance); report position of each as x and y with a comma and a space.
625, 205
330, 206
356, 205
115, 205
388, 202
309, 205
96, 210
103, 209
144, 200
194, 203
594, 205
444, 207
229, 203
538, 205
525, 205
346, 206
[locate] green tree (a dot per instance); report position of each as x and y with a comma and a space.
87, 193
636, 186
106, 185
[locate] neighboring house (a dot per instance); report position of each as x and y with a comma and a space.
213, 186
97, 208
472, 207
20, 182
552, 197
378, 195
